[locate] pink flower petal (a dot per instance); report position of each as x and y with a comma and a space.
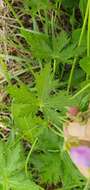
81, 155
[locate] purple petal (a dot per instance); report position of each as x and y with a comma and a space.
81, 156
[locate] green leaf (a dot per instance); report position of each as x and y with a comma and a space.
33, 110
76, 36
78, 77
24, 101
60, 42
29, 126
69, 3
52, 115
44, 83
39, 43
85, 64
48, 165
67, 53
24, 184
48, 141
82, 6
32, 6
22, 94
59, 101
47, 158
65, 48
55, 107
69, 170
14, 159
12, 174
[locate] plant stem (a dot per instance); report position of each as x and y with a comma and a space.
83, 89
71, 74
54, 66
79, 43
46, 22
29, 154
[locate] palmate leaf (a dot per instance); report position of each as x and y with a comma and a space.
12, 174
29, 126
60, 47
59, 101
47, 162
50, 103
56, 106
21, 94
39, 44
60, 42
45, 83
48, 167
69, 3
67, 53
63, 48
33, 117
24, 108
52, 115
32, 6
27, 104
48, 141
23, 184
71, 177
